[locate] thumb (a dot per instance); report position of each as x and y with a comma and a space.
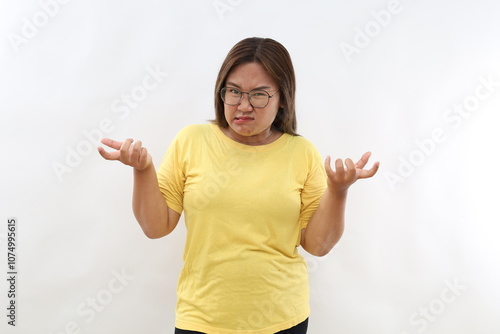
108, 155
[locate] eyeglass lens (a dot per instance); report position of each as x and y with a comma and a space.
232, 96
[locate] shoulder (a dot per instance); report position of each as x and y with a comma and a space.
193, 133
194, 130
302, 149
301, 143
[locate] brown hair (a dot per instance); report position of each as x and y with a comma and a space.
277, 62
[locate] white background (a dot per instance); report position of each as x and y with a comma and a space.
420, 253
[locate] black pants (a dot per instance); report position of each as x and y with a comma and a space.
299, 329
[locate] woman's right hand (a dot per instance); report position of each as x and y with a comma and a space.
128, 152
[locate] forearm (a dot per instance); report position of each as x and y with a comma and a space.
326, 226
148, 203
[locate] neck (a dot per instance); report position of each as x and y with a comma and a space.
261, 139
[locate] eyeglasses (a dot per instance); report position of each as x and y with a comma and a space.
257, 98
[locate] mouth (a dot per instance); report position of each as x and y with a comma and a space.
243, 119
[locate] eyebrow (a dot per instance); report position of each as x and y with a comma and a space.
257, 88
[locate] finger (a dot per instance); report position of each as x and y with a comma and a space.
328, 167
351, 170
111, 143
339, 169
372, 171
108, 155
124, 151
135, 152
143, 158
363, 161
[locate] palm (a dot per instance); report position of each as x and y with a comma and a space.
345, 176
128, 152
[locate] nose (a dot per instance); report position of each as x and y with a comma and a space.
245, 104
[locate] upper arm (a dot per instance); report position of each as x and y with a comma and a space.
163, 227
173, 219
302, 237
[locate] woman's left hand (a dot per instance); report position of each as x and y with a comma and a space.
341, 179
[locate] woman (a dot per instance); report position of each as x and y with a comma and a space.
252, 191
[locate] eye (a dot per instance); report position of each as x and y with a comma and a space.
233, 91
259, 93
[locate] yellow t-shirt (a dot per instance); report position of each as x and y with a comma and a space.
244, 208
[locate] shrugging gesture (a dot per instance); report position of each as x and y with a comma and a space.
343, 177
128, 152
326, 226
150, 209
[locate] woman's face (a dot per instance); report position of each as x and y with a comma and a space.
248, 124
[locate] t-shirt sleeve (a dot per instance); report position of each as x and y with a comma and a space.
171, 175
314, 187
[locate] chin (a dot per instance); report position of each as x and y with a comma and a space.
244, 132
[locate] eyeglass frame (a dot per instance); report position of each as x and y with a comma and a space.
248, 93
